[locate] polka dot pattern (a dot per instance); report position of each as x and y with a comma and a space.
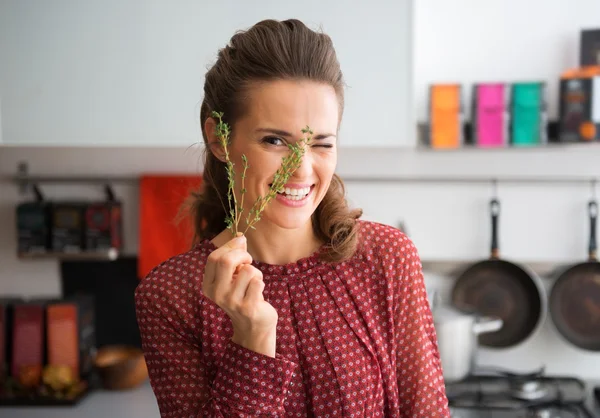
354, 339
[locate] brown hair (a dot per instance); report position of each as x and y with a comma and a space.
271, 50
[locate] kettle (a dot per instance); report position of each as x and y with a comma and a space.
457, 335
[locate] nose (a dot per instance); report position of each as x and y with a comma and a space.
305, 169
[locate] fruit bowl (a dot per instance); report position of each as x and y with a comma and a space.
120, 367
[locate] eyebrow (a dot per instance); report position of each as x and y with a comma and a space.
289, 135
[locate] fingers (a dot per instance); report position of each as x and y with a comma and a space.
226, 267
254, 292
231, 295
240, 284
223, 262
213, 258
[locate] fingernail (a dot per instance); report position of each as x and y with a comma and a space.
240, 240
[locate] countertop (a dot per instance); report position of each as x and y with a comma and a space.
135, 403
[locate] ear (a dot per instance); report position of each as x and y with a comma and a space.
210, 127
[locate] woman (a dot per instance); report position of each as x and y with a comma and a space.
314, 312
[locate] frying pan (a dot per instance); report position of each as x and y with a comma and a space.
575, 296
499, 288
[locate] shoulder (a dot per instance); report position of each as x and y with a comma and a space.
395, 255
174, 284
180, 270
386, 244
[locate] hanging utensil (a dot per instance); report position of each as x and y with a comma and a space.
499, 288
575, 296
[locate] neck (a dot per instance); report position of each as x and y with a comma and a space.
274, 245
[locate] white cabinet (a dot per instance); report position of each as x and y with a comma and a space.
132, 72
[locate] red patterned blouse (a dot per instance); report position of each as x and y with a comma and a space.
354, 339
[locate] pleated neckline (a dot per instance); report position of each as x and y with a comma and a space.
287, 271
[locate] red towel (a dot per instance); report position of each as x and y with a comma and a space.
160, 236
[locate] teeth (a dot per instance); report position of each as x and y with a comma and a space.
296, 194
292, 197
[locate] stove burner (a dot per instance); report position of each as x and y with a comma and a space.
529, 390
531, 395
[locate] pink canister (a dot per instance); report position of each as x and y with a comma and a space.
490, 115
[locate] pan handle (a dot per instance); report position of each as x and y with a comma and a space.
495, 212
593, 212
487, 324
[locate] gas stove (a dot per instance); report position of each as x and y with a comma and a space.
496, 393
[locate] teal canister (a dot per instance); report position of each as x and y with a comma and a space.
528, 114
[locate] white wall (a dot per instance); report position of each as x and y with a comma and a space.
447, 221
132, 72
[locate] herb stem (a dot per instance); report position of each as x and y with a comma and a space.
290, 163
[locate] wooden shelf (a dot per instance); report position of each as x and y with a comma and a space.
455, 267
110, 255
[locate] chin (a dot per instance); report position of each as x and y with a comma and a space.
285, 217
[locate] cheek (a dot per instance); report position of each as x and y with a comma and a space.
326, 168
251, 158
261, 166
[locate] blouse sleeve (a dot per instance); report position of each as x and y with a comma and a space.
242, 383
421, 386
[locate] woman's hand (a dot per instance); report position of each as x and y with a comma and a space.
236, 287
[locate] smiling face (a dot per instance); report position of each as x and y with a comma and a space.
277, 113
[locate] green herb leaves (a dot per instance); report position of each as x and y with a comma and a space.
290, 163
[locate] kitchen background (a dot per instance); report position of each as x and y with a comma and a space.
150, 86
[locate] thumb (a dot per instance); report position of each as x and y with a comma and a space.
239, 242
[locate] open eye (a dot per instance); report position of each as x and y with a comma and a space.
272, 140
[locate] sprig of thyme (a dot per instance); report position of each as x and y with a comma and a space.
223, 132
290, 163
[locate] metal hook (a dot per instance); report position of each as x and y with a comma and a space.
494, 188
110, 194
22, 172
39, 196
